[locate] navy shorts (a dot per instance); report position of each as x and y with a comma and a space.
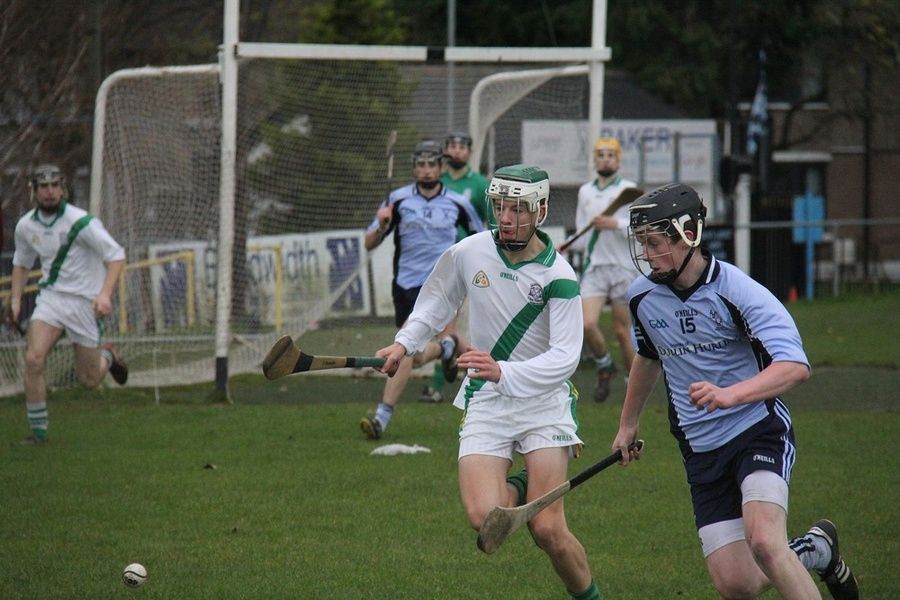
715, 476
404, 301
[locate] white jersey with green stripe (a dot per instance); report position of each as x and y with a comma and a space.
609, 247
72, 246
527, 315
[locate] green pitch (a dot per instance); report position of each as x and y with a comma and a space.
296, 507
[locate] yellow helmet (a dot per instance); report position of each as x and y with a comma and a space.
609, 142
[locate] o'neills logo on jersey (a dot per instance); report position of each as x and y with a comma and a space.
480, 280
535, 294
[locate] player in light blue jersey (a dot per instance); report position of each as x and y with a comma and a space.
728, 350
526, 330
423, 218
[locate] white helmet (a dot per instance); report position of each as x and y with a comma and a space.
523, 184
45, 173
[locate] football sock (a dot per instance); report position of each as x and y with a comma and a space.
437, 378
520, 482
105, 353
603, 362
592, 593
383, 414
812, 550
448, 347
37, 419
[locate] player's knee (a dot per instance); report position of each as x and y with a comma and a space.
732, 586
89, 380
476, 516
765, 548
35, 362
548, 535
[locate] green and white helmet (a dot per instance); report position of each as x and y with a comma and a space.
524, 184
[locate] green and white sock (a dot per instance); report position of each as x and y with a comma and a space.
107, 354
520, 482
437, 378
383, 414
37, 419
592, 593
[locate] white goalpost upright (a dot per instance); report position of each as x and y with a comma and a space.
279, 149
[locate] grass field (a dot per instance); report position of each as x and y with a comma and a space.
297, 508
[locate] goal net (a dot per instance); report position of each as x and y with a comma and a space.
311, 170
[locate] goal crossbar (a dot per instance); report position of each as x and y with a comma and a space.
421, 53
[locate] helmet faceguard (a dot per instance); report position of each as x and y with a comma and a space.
427, 152
659, 218
529, 188
609, 143
46, 174
456, 138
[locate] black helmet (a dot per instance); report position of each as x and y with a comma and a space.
427, 150
670, 205
458, 137
671, 210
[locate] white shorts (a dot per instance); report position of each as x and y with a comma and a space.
760, 486
71, 313
502, 426
610, 281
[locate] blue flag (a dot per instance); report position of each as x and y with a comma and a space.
759, 111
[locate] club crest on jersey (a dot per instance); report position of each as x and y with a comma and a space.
536, 294
481, 280
717, 319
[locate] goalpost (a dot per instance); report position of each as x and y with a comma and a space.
261, 172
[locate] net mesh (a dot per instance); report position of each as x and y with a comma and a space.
311, 169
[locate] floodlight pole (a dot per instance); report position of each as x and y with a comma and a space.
228, 58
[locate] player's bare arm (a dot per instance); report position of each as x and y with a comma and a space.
774, 380
392, 354
481, 365
103, 301
641, 380
373, 238
605, 222
17, 287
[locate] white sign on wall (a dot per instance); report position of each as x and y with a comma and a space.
654, 152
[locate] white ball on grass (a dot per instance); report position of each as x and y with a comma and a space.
134, 575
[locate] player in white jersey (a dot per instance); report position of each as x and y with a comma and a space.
607, 270
80, 264
526, 332
728, 350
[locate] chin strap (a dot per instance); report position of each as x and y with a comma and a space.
671, 276
512, 245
